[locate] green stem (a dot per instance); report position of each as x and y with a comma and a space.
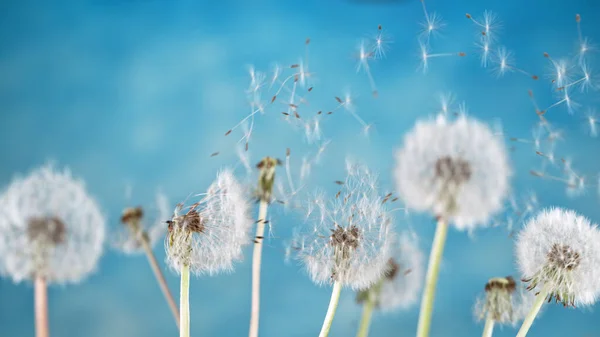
433, 269
365, 322
256, 262
488, 329
333, 303
535, 309
184, 302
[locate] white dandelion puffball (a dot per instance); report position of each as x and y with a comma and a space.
560, 250
456, 169
403, 281
134, 227
49, 228
349, 238
210, 236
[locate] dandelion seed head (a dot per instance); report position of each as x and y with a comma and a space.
560, 249
454, 169
49, 227
132, 230
403, 280
348, 238
503, 301
209, 235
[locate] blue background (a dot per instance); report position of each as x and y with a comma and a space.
142, 92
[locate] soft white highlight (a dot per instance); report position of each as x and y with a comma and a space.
457, 169
49, 228
560, 249
349, 237
210, 235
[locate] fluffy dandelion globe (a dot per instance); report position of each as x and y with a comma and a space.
50, 228
401, 284
133, 229
456, 169
349, 240
210, 235
558, 253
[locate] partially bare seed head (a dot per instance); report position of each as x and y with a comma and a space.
132, 214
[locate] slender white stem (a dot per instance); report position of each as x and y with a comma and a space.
365, 322
433, 269
535, 309
41, 307
256, 261
184, 302
333, 303
488, 329
160, 278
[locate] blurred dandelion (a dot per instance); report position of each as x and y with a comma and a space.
137, 237
349, 240
51, 232
458, 170
266, 180
208, 237
558, 253
399, 287
503, 302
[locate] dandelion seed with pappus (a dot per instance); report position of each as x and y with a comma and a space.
349, 241
399, 287
137, 237
51, 232
208, 236
457, 170
558, 253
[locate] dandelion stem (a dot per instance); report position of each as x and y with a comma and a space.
41, 307
333, 303
535, 309
184, 302
160, 278
365, 322
488, 328
433, 269
256, 261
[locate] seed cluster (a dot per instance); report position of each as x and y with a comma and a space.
48, 230
455, 170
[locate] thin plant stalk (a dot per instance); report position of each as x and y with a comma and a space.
533, 312
365, 321
333, 303
160, 278
41, 307
433, 269
184, 302
488, 328
256, 262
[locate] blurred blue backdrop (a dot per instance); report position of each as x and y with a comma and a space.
142, 93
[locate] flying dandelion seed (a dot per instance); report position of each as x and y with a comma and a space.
51, 232
558, 253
